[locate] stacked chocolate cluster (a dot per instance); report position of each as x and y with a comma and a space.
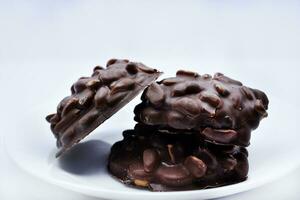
191, 133
192, 130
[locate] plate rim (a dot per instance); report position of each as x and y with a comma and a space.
109, 194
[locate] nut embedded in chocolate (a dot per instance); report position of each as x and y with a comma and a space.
151, 159
94, 99
196, 166
219, 108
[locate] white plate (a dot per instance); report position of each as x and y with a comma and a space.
273, 153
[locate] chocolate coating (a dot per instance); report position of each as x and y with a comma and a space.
168, 162
96, 98
220, 109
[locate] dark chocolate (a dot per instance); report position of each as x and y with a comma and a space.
94, 99
174, 162
220, 109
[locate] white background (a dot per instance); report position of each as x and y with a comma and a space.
46, 45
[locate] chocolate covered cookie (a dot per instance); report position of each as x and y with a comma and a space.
96, 98
220, 109
174, 162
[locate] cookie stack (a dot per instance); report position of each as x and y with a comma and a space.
192, 132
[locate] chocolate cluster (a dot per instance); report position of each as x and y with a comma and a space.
219, 108
191, 133
95, 98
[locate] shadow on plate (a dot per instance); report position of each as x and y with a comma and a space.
86, 158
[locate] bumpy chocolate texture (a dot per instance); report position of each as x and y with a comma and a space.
218, 108
174, 162
94, 99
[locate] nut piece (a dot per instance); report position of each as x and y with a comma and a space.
85, 98
93, 83
187, 73
69, 105
100, 96
221, 77
80, 84
187, 106
114, 98
151, 116
114, 61
170, 81
186, 88
179, 90
192, 88
141, 183
196, 166
247, 92
221, 89
206, 76
155, 94
87, 120
147, 69
260, 108
63, 123
171, 153
229, 164
173, 175
98, 67
49, 117
211, 99
111, 62
131, 68
122, 85
150, 159
108, 76
221, 136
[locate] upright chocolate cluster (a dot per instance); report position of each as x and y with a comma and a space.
95, 98
191, 133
